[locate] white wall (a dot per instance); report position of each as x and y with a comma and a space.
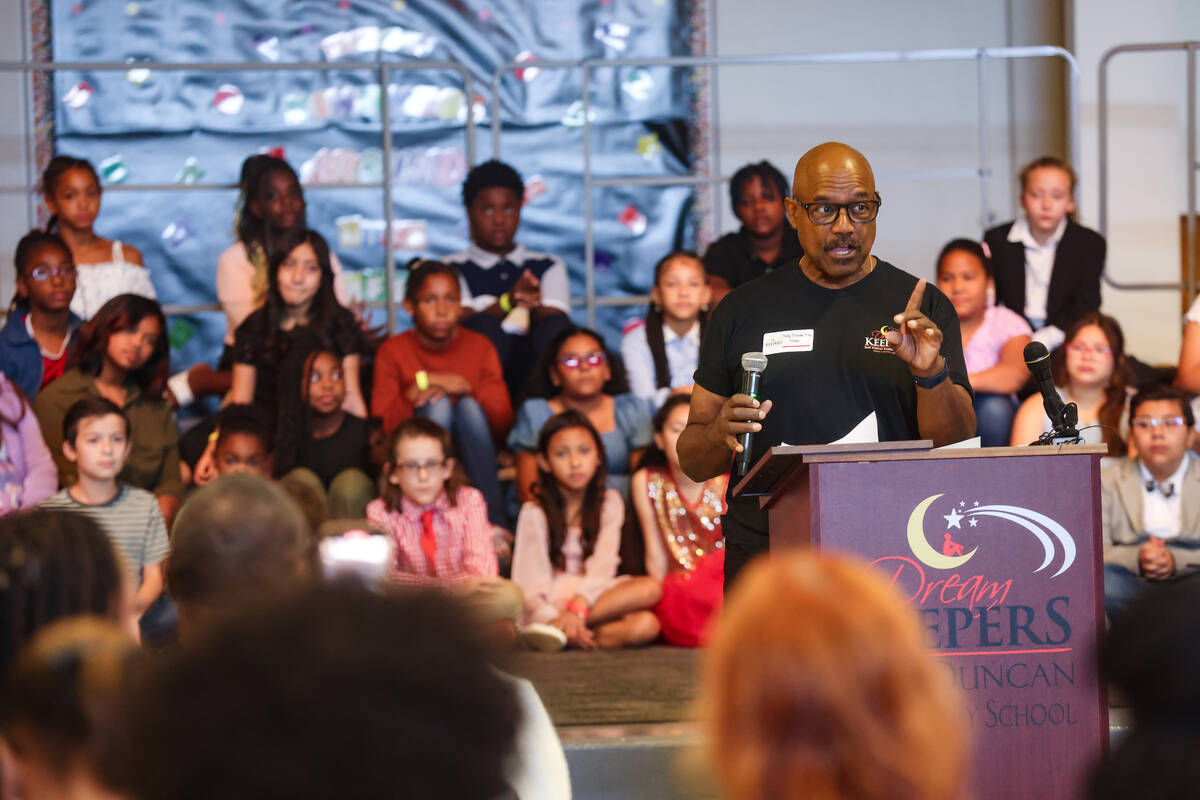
1147, 163
904, 117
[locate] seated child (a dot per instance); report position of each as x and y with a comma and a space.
244, 443
441, 371
71, 189
994, 338
661, 354
60, 703
1092, 371
566, 553
122, 356
520, 298
1148, 502
27, 472
270, 206
1047, 267
317, 440
96, 438
766, 240
39, 332
439, 526
681, 526
300, 308
576, 372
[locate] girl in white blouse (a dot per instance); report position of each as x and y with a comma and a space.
567, 543
105, 267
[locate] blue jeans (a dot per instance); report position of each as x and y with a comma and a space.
1121, 588
518, 354
468, 426
994, 413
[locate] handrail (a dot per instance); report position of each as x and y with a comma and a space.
1102, 122
977, 54
379, 66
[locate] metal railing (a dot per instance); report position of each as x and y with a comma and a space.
1189, 285
383, 69
714, 179
979, 55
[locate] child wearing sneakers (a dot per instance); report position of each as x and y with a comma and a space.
517, 298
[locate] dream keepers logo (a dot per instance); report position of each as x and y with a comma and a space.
877, 342
1046, 530
967, 608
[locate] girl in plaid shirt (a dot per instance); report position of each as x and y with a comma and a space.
439, 525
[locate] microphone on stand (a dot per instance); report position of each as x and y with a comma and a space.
1063, 416
753, 365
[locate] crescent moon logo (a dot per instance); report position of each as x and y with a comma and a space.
920, 545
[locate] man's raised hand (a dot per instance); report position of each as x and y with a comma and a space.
916, 339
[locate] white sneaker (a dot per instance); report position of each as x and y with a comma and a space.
542, 637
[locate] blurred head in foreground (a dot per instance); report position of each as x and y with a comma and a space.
59, 706
818, 684
56, 564
237, 539
332, 691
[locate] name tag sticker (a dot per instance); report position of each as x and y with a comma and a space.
787, 342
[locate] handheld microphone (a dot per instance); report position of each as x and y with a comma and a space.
753, 365
1063, 416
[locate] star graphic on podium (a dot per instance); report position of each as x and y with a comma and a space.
972, 522
953, 519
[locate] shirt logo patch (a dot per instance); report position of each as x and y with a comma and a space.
876, 342
797, 341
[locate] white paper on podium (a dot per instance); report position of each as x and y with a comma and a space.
965, 444
862, 433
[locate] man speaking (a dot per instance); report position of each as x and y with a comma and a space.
845, 334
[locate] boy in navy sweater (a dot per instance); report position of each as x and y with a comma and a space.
516, 297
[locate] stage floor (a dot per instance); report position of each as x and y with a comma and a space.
644, 686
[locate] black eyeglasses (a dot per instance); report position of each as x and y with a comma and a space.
821, 212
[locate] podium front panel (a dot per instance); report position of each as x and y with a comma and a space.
1002, 559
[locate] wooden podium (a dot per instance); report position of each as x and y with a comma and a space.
999, 550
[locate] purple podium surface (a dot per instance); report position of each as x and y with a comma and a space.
999, 551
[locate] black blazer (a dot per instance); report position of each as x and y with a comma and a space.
1074, 281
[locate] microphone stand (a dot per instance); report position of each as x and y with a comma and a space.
1063, 427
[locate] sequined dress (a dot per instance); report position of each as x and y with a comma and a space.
688, 533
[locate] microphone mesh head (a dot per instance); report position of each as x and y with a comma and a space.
1035, 351
754, 362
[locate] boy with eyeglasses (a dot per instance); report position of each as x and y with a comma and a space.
1151, 503
1047, 267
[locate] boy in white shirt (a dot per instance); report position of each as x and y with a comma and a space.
1151, 503
1047, 267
